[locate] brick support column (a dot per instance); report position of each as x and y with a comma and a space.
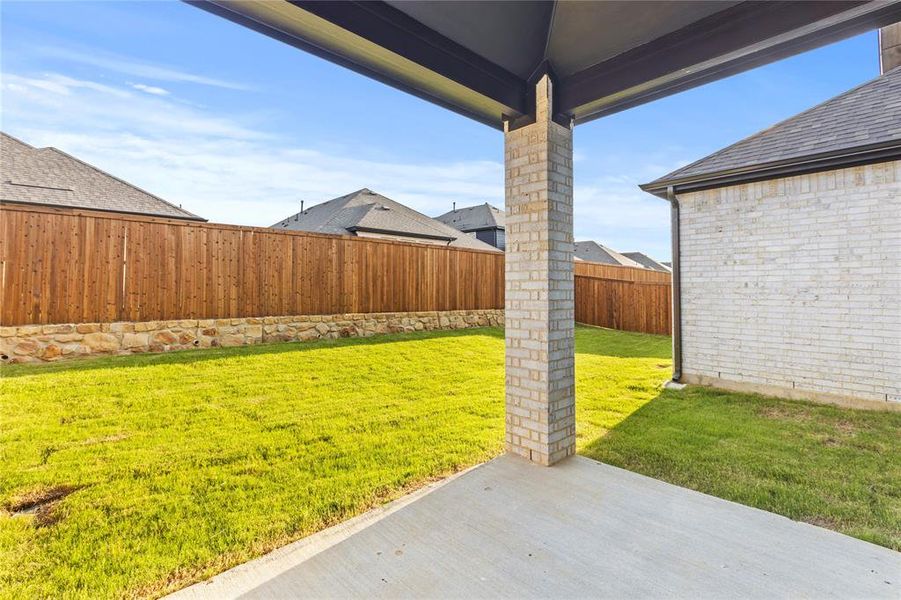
540, 360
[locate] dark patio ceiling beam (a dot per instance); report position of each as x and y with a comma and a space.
681, 60
374, 38
393, 30
483, 90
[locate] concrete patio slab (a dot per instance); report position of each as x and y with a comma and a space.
510, 529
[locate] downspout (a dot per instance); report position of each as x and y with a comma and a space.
677, 284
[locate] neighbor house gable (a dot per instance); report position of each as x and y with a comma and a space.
52, 177
369, 214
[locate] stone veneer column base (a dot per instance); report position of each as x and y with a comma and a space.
39, 343
540, 359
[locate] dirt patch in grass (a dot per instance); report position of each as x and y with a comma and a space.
822, 521
783, 412
845, 427
38, 497
118, 437
841, 432
41, 503
47, 516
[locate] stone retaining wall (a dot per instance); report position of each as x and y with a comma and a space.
38, 343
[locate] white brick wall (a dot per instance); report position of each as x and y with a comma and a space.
796, 282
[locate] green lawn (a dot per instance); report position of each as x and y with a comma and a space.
173, 467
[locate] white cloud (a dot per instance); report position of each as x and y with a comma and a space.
615, 212
150, 89
135, 68
60, 85
227, 169
86, 106
222, 168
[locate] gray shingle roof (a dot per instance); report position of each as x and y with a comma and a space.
595, 252
647, 261
367, 211
50, 176
474, 218
864, 117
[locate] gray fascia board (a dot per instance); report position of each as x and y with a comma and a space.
836, 159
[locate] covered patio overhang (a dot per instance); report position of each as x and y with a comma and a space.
534, 70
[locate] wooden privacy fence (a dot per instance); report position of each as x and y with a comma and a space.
624, 298
63, 266
70, 266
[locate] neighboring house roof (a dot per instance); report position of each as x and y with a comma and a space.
367, 211
647, 261
50, 176
594, 252
860, 126
474, 218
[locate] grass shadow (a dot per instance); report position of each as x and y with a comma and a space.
819, 464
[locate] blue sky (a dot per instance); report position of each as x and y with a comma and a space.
240, 128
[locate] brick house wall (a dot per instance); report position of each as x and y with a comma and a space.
793, 285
